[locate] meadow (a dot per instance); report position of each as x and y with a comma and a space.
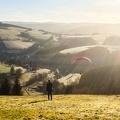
62, 107
4, 68
17, 44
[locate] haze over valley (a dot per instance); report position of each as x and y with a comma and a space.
34, 49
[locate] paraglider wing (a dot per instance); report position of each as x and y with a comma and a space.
80, 58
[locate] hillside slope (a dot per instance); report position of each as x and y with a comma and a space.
70, 107
73, 28
102, 80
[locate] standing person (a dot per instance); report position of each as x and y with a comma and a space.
49, 89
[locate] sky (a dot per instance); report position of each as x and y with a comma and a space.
67, 11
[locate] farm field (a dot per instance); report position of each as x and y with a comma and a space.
38, 34
10, 32
62, 107
17, 44
83, 48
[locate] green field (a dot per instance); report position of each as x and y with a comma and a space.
62, 107
10, 32
4, 68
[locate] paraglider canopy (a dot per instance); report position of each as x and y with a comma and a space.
80, 58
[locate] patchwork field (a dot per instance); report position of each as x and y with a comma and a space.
11, 32
17, 44
83, 48
38, 34
62, 107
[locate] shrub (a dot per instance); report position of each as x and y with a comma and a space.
17, 88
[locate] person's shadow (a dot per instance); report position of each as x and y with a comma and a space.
37, 101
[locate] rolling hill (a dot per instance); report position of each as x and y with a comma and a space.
102, 80
16, 39
73, 28
41, 49
55, 51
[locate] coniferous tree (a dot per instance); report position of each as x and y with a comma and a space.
17, 88
12, 70
69, 89
5, 87
18, 72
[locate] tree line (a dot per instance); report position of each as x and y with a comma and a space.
9, 88
9, 82
101, 81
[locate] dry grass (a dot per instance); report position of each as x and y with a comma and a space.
63, 107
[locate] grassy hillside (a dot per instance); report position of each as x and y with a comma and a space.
102, 80
70, 107
4, 68
62, 61
17, 44
20, 41
15, 32
36, 35
71, 42
113, 40
10, 32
